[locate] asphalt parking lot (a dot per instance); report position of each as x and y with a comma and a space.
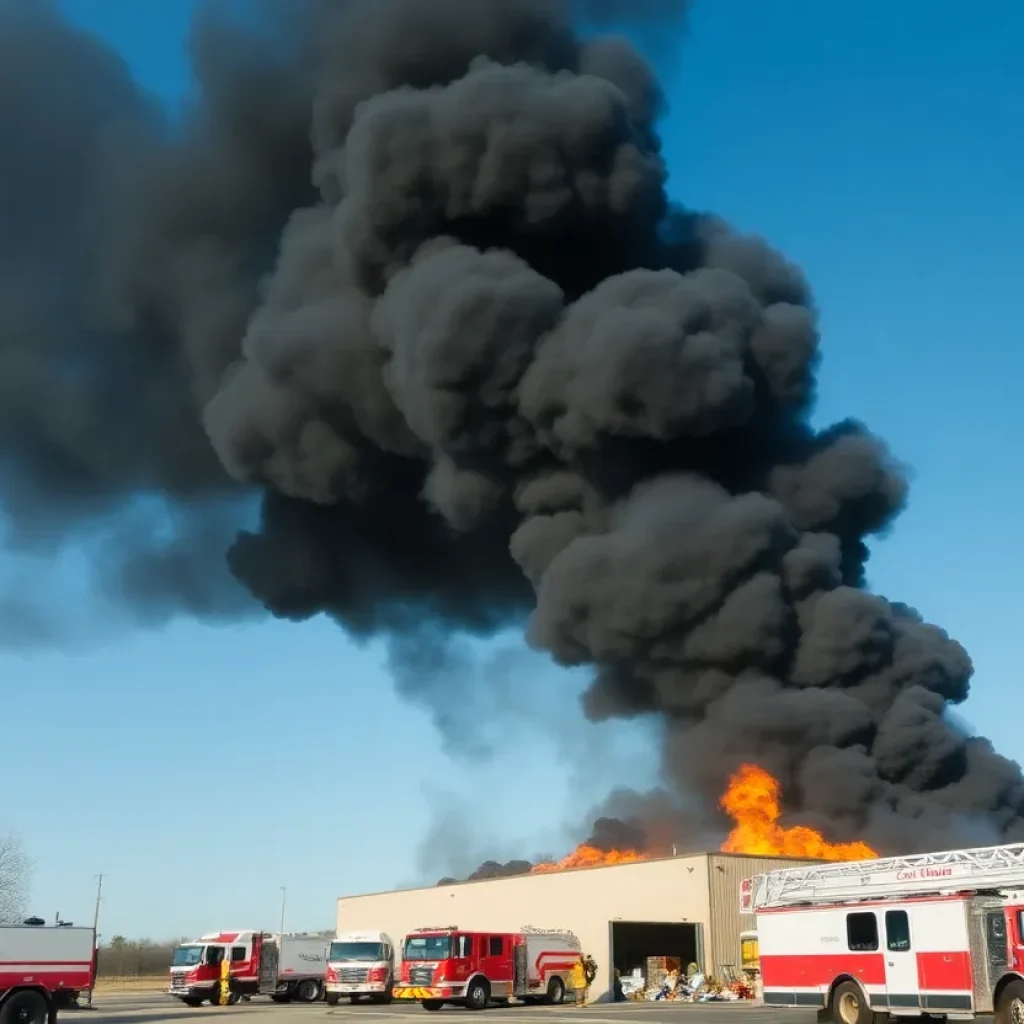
152, 1009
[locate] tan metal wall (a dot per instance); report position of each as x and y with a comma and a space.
725, 922
585, 902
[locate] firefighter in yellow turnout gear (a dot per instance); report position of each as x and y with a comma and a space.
578, 982
224, 987
581, 977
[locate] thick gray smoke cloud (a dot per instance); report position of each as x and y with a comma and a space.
409, 271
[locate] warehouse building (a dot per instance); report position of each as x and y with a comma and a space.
686, 907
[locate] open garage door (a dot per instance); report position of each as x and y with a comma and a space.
633, 942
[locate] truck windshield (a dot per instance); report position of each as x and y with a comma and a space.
356, 951
427, 947
187, 956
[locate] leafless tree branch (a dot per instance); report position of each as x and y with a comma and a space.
15, 879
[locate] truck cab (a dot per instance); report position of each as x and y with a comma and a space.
195, 971
360, 963
446, 965
196, 966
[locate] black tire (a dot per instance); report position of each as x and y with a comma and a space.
381, 998
556, 992
478, 994
307, 990
332, 998
1012, 994
25, 1008
849, 1005
192, 1001
432, 1004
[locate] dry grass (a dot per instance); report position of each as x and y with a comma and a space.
153, 983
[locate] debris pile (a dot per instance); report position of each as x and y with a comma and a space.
665, 980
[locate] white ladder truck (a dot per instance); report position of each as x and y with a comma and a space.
940, 934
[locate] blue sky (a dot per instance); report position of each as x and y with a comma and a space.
878, 145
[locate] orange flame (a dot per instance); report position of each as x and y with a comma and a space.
587, 856
752, 801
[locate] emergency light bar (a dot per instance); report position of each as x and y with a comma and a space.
985, 868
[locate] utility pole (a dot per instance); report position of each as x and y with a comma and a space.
95, 929
284, 893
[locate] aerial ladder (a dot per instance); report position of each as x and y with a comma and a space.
995, 869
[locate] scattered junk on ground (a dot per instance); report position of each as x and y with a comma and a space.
666, 979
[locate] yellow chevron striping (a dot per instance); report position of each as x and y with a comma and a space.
414, 992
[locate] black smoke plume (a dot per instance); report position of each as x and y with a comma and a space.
608, 834
494, 869
408, 271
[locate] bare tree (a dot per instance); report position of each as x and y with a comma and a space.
15, 876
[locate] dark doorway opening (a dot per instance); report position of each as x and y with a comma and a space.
634, 941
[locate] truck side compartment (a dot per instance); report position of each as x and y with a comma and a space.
293, 967
42, 969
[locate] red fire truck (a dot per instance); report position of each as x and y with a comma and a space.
282, 967
940, 934
475, 968
43, 968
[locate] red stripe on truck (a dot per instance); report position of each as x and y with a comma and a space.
803, 971
44, 964
945, 972
48, 977
948, 971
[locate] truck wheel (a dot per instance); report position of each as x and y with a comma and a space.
1010, 1007
382, 998
432, 1004
478, 994
24, 1008
307, 991
332, 998
556, 992
191, 1001
849, 1005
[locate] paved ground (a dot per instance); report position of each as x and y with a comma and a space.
154, 1009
